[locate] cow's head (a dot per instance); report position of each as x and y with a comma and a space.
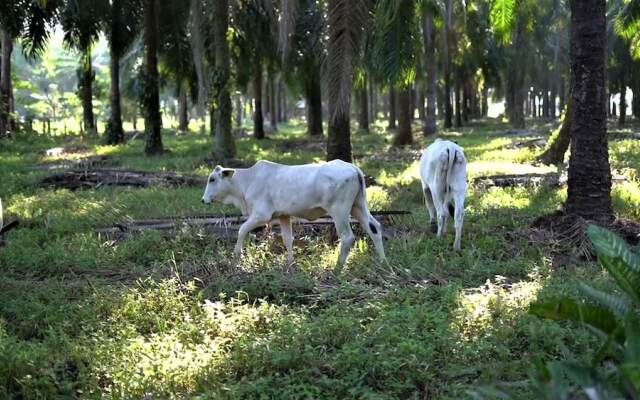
219, 184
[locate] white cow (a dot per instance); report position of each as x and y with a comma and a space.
443, 171
268, 191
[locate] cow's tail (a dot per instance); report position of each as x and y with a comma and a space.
451, 160
361, 201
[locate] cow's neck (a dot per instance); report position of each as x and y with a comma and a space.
237, 198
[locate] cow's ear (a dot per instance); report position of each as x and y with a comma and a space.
228, 172
217, 168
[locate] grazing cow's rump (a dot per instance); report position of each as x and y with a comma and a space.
268, 191
443, 171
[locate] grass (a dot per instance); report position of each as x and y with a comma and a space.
174, 317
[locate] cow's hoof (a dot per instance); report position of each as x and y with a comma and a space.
433, 228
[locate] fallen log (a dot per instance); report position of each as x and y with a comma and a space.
223, 226
546, 179
84, 163
94, 178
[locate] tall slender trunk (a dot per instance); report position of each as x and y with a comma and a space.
225, 144
239, 110
272, 103
458, 102
372, 102
545, 103
421, 105
515, 79
466, 102
622, 119
635, 100
340, 76
258, 118
115, 132
485, 100
428, 39
552, 102
183, 117
285, 107
447, 66
313, 94
403, 134
392, 108
87, 93
152, 121
561, 94
363, 114
5, 81
589, 181
559, 141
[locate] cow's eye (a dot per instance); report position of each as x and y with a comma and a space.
212, 179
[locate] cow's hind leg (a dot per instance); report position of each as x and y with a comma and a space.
441, 211
372, 227
431, 209
458, 219
287, 237
347, 237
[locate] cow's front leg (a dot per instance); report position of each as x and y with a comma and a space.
287, 237
250, 224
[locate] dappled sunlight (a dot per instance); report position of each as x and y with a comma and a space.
479, 168
626, 199
488, 308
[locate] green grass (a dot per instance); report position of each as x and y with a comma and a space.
175, 317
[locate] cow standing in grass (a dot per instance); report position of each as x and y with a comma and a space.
269, 192
443, 172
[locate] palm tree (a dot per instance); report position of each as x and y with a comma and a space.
82, 23
428, 38
346, 20
254, 48
589, 181
150, 93
225, 145
396, 47
121, 27
32, 21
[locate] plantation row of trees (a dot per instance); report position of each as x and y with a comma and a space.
440, 57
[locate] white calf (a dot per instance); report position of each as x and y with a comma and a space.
443, 171
268, 191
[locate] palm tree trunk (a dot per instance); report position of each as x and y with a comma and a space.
225, 145
622, 119
559, 142
183, 117
5, 81
392, 108
363, 115
115, 132
403, 134
484, 109
239, 109
428, 39
272, 103
151, 102
258, 118
422, 114
87, 94
457, 95
372, 102
589, 181
313, 94
635, 100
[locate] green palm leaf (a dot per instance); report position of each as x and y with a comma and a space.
597, 317
619, 306
616, 256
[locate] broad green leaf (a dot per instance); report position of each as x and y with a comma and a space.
566, 309
627, 279
611, 245
619, 306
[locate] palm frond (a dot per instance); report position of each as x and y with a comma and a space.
619, 306
503, 16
